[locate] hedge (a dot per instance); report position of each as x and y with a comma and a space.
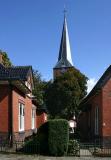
39, 143
42, 138
52, 139
58, 137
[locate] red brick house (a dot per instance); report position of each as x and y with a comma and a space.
18, 118
41, 115
94, 122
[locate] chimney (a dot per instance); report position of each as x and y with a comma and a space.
1, 58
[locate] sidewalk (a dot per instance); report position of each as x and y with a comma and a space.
35, 157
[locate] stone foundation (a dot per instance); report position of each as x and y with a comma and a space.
106, 141
17, 136
21, 136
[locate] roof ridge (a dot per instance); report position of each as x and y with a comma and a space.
19, 72
20, 66
100, 83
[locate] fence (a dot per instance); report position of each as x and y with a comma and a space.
26, 147
85, 149
95, 150
19, 147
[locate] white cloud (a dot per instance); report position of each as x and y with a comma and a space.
90, 84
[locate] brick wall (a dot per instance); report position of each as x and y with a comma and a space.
86, 121
5, 113
41, 118
4, 107
19, 97
56, 72
16, 98
106, 125
96, 102
102, 99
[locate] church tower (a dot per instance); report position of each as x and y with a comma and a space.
64, 59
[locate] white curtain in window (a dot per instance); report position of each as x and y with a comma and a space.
33, 118
21, 117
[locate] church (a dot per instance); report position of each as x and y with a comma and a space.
65, 63
18, 118
94, 120
64, 59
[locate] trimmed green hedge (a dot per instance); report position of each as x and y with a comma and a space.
52, 139
42, 138
39, 143
58, 137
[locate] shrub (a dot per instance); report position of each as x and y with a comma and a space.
30, 147
39, 143
51, 139
58, 137
42, 139
73, 147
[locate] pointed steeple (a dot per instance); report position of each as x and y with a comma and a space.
64, 59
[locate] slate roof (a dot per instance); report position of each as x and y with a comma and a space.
64, 59
14, 72
101, 83
63, 63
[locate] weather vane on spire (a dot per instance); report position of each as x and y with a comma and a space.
65, 11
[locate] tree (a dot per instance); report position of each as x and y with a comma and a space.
39, 86
6, 61
63, 96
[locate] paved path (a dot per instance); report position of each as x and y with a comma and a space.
30, 157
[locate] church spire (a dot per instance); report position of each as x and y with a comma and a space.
64, 59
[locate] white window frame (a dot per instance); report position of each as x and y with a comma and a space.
21, 117
96, 120
33, 118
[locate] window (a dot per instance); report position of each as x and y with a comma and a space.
96, 121
33, 118
89, 119
21, 117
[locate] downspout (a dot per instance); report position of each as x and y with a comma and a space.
10, 118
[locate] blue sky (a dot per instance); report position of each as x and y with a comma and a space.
30, 32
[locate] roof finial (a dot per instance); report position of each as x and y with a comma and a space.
65, 11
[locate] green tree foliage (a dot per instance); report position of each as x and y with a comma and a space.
39, 86
6, 61
63, 96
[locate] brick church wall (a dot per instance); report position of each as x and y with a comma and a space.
86, 121
102, 99
106, 125
56, 73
